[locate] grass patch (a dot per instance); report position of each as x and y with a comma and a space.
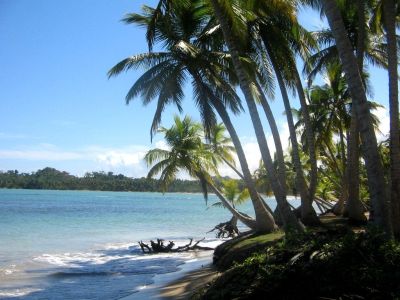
238, 249
257, 240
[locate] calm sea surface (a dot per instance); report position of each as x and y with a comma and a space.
83, 245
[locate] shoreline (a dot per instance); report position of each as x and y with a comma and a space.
189, 284
172, 285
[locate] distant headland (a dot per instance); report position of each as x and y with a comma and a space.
53, 179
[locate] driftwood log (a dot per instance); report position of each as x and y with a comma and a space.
226, 229
160, 247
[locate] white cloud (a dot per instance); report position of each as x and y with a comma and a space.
127, 160
384, 123
117, 158
162, 145
252, 151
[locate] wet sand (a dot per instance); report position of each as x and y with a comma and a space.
189, 284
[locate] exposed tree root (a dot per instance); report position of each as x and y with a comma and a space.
159, 247
226, 229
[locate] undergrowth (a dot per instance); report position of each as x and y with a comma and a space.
319, 265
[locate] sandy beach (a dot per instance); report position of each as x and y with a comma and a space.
181, 284
189, 284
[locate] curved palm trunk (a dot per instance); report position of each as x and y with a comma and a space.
390, 22
376, 182
308, 214
289, 219
265, 220
250, 222
340, 208
275, 134
342, 148
233, 221
354, 208
244, 179
309, 136
233, 168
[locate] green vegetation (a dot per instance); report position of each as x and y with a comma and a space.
52, 179
223, 47
219, 47
329, 264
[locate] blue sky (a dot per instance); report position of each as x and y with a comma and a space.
57, 107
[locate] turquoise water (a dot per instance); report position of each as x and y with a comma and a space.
83, 244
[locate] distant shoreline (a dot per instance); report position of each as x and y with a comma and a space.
158, 192
83, 190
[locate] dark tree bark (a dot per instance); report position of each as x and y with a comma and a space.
308, 214
354, 208
309, 136
376, 182
289, 219
390, 24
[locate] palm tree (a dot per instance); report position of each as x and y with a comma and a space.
221, 146
329, 117
277, 35
187, 41
389, 8
368, 46
223, 10
331, 109
234, 195
188, 153
376, 182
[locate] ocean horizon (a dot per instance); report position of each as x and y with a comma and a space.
84, 244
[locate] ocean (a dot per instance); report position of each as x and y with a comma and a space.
83, 244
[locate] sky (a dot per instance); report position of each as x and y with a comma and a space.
58, 108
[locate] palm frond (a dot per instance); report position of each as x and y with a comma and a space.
156, 155
139, 61
171, 91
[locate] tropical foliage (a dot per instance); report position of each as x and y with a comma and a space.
52, 179
222, 46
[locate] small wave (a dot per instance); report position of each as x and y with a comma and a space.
110, 272
13, 293
9, 270
78, 274
123, 258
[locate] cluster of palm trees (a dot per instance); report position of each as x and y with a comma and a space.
220, 46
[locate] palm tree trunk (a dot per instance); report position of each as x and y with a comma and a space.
376, 182
342, 147
265, 220
233, 168
354, 208
331, 156
233, 221
360, 34
289, 219
244, 179
308, 214
251, 223
309, 136
340, 208
275, 134
390, 22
